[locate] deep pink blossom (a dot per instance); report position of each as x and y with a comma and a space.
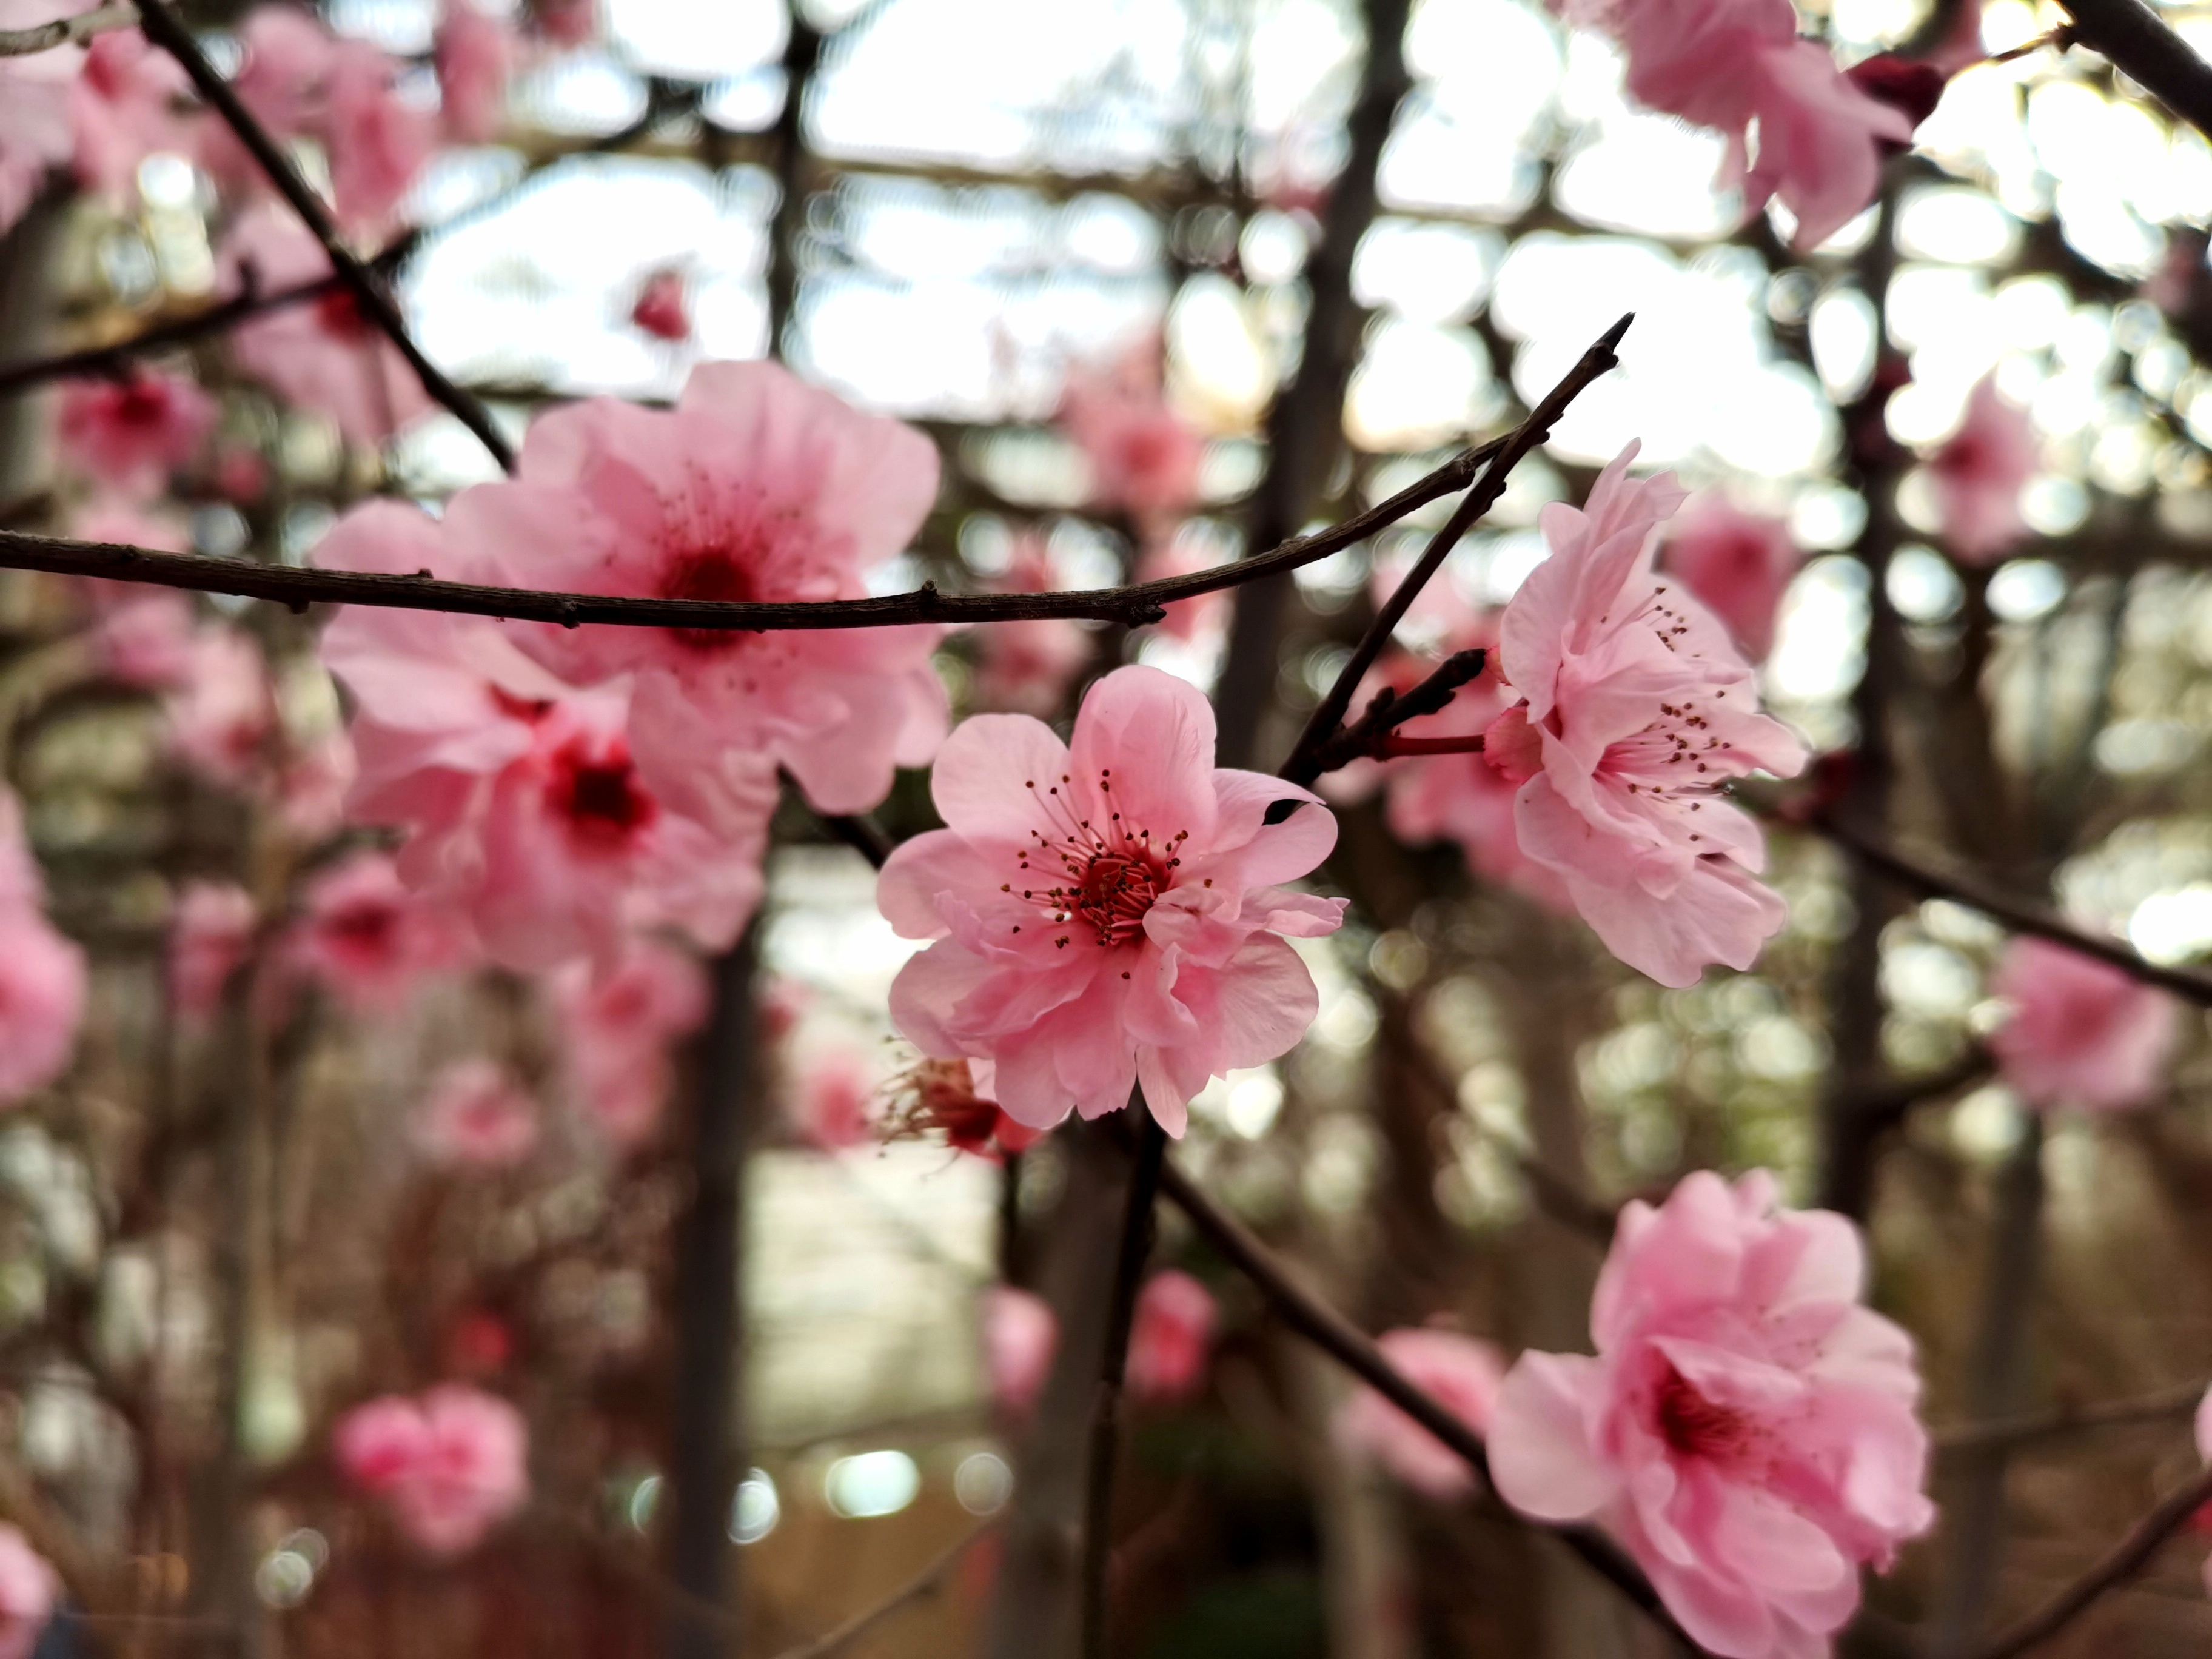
124, 109
450, 1464
1747, 1429
476, 54
524, 806
1739, 564
210, 936
1460, 1373
222, 719
1107, 914
476, 1116
1171, 1338
2081, 1032
367, 937
756, 486
617, 1028
1639, 708
1026, 667
30, 1587
378, 144
35, 133
42, 974
324, 356
1978, 473
1144, 456
1020, 1336
662, 309
130, 434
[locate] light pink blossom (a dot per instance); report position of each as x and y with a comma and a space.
35, 134
325, 356
1171, 1338
2081, 1032
210, 936
1746, 1429
1978, 473
42, 974
475, 54
756, 486
1107, 914
1020, 1336
836, 1096
124, 109
286, 56
1025, 667
222, 720
450, 1464
662, 309
1639, 708
1739, 564
130, 434
1460, 1373
476, 1116
367, 937
1144, 456
141, 635
30, 1587
378, 144
524, 807
617, 1028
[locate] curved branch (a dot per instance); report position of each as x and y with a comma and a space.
65, 31
2139, 41
2070, 1420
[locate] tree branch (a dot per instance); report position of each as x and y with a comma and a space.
925, 1582
65, 31
2069, 1419
1369, 737
2139, 41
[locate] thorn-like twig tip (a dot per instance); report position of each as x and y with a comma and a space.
1612, 336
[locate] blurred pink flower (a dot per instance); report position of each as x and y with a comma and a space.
35, 133
378, 144
1747, 1429
567, 22
222, 719
836, 1092
30, 1587
1026, 667
1184, 555
524, 807
475, 54
756, 486
124, 109
617, 1028
141, 635
129, 435
42, 974
1144, 458
367, 937
449, 1465
1460, 1373
1739, 564
210, 936
1020, 1336
1978, 473
286, 59
2081, 1032
476, 1116
1171, 1338
241, 476
662, 310
1627, 735
324, 355
1106, 915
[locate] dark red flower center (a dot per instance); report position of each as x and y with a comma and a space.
340, 315
367, 928
598, 793
721, 576
143, 404
1115, 891
1110, 874
1695, 1426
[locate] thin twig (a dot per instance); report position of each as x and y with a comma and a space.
165, 30
1368, 736
2128, 1558
1141, 603
65, 31
1328, 715
2070, 1420
925, 1582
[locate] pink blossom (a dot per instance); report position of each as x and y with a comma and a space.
141, 635
836, 1100
1628, 733
524, 806
1026, 667
1144, 458
1460, 1373
476, 1116
662, 310
1106, 914
130, 434
241, 476
325, 356
377, 143
124, 109
1171, 1338
30, 1587
2081, 1032
1978, 473
210, 936
450, 1464
367, 937
617, 1028
42, 974
475, 54
2202, 1520
286, 59
756, 486
1739, 564
953, 1098
1746, 1429
567, 22
222, 719
1020, 1336
35, 135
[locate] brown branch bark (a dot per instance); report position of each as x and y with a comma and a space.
2138, 41
2069, 1419
65, 31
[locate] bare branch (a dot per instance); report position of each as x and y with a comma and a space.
65, 31
2159, 1408
2139, 41
924, 1583
1369, 737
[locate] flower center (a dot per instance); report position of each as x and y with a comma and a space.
717, 574
1115, 891
1109, 879
366, 929
599, 795
341, 317
142, 406
1694, 1426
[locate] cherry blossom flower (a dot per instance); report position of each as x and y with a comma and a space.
141, 635
367, 937
222, 720
324, 356
475, 54
1627, 734
1020, 1336
1106, 914
2081, 1032
1746, 1429
1978, 473
756, 486
130, 434
617, 1027
835, 1102
1170, 1338
241, 476
286, 58
952, 1097
1144, 456
1025, 667
450, 1464
210, 936
1739, 564
42, 974
1460, 1373
662, 309
476, 1116
480, 1344
35, 134
124, 109
1185, 556
524, 806
30, 1587
378, 144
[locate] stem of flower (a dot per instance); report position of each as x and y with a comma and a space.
1396, 747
